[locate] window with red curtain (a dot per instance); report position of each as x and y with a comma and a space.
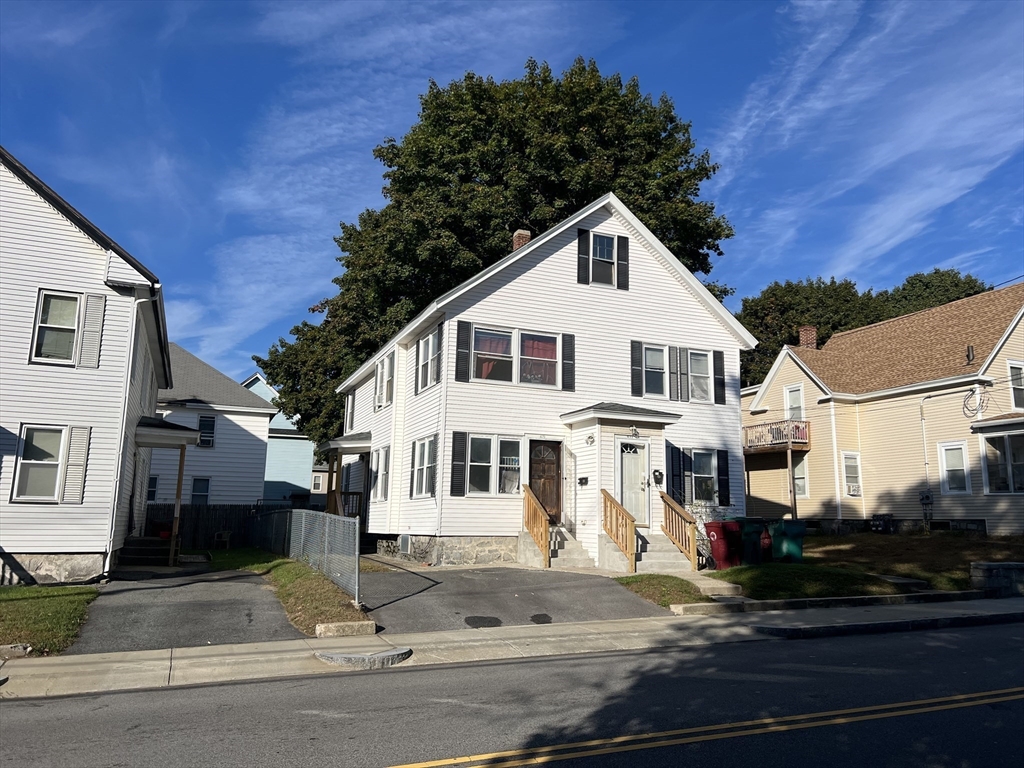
492, 355
538, 359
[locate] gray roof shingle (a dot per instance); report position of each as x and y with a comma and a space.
196, 382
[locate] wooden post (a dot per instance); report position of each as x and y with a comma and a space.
177, 505
330, 481
792, 482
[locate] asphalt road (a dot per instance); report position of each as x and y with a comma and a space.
439, 600
215, 608
418, 714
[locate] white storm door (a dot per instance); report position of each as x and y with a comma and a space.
633, 486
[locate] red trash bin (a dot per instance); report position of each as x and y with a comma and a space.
726, 543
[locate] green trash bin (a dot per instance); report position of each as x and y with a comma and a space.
788, 540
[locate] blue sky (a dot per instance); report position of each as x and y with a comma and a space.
221, 143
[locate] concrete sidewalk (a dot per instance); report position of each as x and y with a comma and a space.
91, 673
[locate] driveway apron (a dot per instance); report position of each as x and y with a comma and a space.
437, 600
181, 611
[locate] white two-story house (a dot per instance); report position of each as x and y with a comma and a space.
588, 365
83, 350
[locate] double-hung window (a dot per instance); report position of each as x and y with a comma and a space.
481, 464
538, 359
953, 470
380, 468
654, 371
795, 402
41, 451
851, 473
602, 262
424, 467
56, 328
207, 431
704, 476
492, 355
200, 491
318, 483
154, 481
384, 383
800, 475
1017, 385
493, 472
429, 357
700, 377
1004, 463
508, 466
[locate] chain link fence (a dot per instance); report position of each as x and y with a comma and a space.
328, 543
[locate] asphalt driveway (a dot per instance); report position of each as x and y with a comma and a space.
181, 611
421, 600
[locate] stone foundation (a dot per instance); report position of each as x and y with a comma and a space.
454, 550
1006, 578
50, 569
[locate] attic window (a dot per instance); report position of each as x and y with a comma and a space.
602, 265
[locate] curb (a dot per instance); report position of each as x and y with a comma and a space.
380, 660
755, 606
880, 627
346, 629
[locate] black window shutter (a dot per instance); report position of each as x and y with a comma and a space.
412, 470
433, 467
458, 464
684, 375
583, 256
568, 362
719, 370
463, 339
674, 462
673, 373
723, 479
622, 264
687, 459
416, 374
636, 368
440, 349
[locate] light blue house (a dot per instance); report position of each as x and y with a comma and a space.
289, 471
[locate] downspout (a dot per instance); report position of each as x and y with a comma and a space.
835, 462
924, 445
119, 464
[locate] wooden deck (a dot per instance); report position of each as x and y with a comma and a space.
774, 436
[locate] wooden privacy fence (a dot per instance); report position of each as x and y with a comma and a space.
200, 523
681, 527
621, 527
537, 521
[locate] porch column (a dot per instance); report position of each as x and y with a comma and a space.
331, 460
792, 482
177, 504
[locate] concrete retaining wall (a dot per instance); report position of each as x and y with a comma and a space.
1006, 578
50, 569
454, 550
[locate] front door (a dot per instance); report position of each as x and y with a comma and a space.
633, 485
546, 475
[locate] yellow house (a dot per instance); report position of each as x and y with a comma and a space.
921, 416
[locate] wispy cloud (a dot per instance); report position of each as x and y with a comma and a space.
27, 32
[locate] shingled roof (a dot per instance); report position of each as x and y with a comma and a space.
199, 383
922, 346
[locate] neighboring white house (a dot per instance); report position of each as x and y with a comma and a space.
588, 360
82, 352
227, 465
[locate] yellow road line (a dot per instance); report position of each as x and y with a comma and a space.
540, 755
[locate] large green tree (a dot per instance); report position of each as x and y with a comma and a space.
487, 158
775, 314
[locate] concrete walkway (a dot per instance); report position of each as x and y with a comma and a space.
66, 675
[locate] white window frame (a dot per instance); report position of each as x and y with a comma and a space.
495, 465
383, 474
61, 463
384, 381
789, 412
714, 474
491, 465
983, 449
421, 467
860, 476
516, 348
192, 489
615, 258
709, 376
429, 354
943, 480
350, 411
73, 361
1010, 365
804, 459
153, 487
664, 371
317, 486
213, 432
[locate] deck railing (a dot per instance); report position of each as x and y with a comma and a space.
777, 434
620, 527
681, 527
345, 503
537, 521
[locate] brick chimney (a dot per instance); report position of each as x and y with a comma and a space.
809, 336
520, 238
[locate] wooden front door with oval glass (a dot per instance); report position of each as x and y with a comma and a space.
546, 475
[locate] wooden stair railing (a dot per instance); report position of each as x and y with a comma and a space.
537, 521
681, 527
620, 527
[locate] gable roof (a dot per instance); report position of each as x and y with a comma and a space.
926, 346
611, 201
199, 383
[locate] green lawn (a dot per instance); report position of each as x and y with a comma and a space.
308, 597
663, 590
47, 618
783, 581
